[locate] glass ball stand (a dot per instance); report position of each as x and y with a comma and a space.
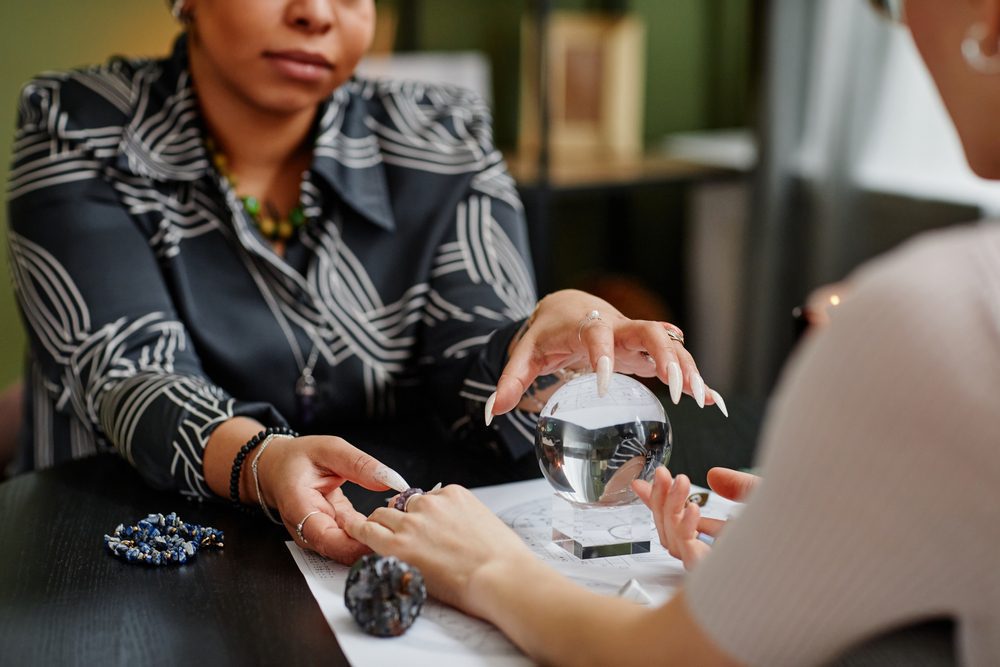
590, 448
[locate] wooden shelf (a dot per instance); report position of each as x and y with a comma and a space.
591, 172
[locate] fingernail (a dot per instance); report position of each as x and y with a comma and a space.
698, 390
435, 487
717, 397
489, 407
603, 375
391, 478
675, 380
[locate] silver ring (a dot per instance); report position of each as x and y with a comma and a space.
587, 319
406, 503
298, 528
673, 332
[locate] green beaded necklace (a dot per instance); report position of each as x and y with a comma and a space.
265, 217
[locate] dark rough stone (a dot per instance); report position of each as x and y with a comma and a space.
384, 594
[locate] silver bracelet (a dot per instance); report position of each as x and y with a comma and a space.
256, 480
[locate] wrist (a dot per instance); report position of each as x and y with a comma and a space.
222, 447
270, 436
500, 578
229, 456
268, 472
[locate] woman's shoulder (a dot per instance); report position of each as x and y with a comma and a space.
938, 297
81, 103
424, 111
961, 262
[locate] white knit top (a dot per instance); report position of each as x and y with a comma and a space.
880, 500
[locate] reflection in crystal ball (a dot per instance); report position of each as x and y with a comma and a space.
590, 448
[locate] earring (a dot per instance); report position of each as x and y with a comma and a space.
973, 51
179, 11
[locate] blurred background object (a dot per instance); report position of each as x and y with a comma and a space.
817, 310
856, 155
594, 69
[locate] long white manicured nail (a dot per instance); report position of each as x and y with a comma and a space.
675, 380
698, 390
489, 407
435, 487
717, 397
391, 478
603, 375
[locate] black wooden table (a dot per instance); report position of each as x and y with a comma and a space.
64, 600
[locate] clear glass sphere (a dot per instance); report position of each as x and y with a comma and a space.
590, 448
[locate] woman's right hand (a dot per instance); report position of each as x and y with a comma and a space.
305, 474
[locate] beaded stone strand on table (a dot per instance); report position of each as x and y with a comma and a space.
161, 540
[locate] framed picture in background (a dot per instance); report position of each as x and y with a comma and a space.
595, 69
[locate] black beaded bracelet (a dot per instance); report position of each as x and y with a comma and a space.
234, 477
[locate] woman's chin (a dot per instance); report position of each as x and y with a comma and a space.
290, 102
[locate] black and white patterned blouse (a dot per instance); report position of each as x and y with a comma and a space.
156, 310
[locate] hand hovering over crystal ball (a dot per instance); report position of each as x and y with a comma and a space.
572, 331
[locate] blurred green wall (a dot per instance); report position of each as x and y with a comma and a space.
697, 71
697, 68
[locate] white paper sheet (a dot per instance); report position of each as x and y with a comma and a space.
444, 636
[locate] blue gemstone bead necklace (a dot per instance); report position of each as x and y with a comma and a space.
161, 540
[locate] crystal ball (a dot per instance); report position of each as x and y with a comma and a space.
590, 448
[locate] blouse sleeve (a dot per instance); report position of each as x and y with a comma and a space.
878, 505
482, 290
116, 358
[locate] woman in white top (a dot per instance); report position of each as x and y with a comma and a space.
879, 504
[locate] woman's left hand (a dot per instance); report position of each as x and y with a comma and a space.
451, 536
573, 329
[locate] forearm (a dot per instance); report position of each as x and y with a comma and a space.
556, 621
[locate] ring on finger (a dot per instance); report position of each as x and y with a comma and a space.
675, 335
301, 524
587, 319
406, 503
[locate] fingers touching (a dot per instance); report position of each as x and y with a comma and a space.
314, 522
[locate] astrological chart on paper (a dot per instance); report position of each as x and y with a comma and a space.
445, 636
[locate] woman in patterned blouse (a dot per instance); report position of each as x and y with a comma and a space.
243, 236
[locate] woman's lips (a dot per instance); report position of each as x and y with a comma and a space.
300, 65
